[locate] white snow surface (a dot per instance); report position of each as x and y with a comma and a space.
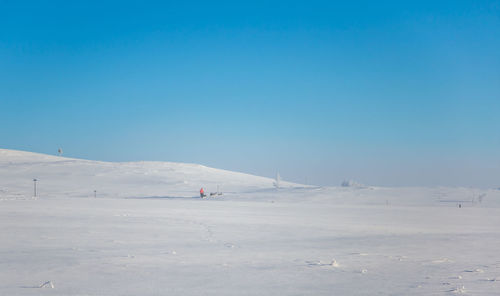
149, 233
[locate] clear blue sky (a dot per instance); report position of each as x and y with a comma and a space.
382, 92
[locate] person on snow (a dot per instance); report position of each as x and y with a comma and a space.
202, 193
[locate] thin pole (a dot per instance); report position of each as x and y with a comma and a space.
34, 186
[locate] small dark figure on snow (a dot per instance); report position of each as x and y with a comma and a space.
202, 193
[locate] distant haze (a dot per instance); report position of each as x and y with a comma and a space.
384, 93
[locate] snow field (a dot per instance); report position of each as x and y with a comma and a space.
147, 233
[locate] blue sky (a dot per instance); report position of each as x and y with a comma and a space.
389, 93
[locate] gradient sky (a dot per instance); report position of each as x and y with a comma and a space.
391, 93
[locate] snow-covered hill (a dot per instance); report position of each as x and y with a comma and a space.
69, 177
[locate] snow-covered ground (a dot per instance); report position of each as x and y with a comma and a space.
148, 233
